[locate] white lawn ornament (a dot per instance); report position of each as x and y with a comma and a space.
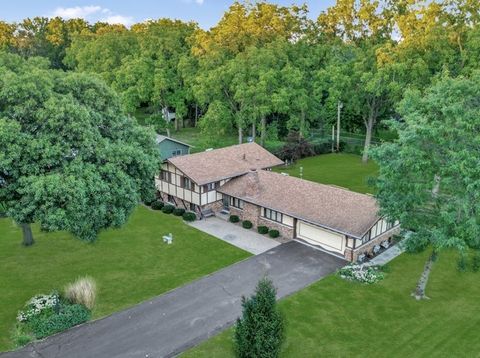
385, 244
362, 257
168, 238
376, 249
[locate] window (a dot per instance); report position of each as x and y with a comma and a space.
176, 152
272, 215
171, 199
211, 186
165, 176
235, 202
187, 183
193, 207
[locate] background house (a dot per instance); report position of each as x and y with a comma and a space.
170, 147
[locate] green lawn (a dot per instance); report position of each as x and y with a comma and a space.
336, 318
130, 264
345, 170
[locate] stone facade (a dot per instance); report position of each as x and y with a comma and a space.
252, 213
353, 254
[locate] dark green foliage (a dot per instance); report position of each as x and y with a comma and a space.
262, 229
274, 233
462, 265
189, 216
234, 219
247, 224
259, 332
157, 205
297, 147
3, 210
168, 209
50, 322
149, 202
178, 211
476, 262
71, 159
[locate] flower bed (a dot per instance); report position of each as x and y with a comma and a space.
361, 273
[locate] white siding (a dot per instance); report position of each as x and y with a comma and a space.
287, 220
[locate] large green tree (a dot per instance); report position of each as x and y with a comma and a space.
429, 177
70, 159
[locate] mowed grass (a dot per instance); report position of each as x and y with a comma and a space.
130, 264
336, 318
345, 170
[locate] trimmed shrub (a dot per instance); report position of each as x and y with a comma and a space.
189, 216
168, 209
178, 211
83, 292
273, 233
262, 230
247, 224
50, 322
157, 205
234, 219
259, 332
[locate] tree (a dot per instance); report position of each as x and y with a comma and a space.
259, 333
70, 160
428, 178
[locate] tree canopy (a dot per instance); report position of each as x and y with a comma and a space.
70, 160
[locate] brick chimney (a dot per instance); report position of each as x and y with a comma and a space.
253, 183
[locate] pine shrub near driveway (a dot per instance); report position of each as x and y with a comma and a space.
259, 332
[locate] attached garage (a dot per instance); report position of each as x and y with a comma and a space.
317, 236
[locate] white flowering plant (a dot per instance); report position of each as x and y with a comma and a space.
38, 304
361, 273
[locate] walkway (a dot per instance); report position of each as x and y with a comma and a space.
180, 319
386, 256
248, 240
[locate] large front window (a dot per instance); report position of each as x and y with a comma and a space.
236, 203
272, 215
165, 176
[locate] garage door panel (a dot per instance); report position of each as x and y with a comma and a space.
317, 236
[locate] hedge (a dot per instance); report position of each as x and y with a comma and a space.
234, 219
274, 233
157, 205
189, 216
168, 209
247, 224
262, 230
50, 322
178, 211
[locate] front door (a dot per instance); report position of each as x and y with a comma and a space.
226, 202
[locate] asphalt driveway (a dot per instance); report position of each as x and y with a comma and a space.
180, 319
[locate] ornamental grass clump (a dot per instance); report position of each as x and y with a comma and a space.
361, 273
83, 291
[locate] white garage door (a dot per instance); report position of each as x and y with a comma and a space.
318, 236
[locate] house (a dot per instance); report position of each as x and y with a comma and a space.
170, 147
238, 180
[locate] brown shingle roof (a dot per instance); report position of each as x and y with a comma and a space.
223, 163
332, 207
